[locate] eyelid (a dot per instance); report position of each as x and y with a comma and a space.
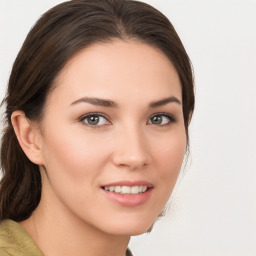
171, 117
83, 117
168, 115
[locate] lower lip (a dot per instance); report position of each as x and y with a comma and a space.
130, 200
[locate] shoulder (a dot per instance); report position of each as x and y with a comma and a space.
15, 241
6, 252
3, 252
6, 228
6, 238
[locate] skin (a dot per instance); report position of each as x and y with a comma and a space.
77, 158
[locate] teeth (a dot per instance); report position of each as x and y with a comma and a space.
117, 189
127, 189
135, 190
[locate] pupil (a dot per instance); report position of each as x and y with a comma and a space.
157, 120
93, 120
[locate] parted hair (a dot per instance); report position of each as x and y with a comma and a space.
60, 33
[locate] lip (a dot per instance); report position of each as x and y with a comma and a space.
129, 183
129, 200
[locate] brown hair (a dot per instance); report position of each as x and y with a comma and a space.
56, 37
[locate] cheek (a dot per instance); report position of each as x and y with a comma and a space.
169, 154
74, 153
168, 157
73, 164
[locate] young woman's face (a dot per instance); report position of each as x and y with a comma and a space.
113, 137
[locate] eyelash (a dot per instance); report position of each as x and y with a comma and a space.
98, 115
171, 119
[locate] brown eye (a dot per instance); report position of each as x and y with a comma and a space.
161, 119
156, 119
94, 120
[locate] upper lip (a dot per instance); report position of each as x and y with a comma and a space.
129, 183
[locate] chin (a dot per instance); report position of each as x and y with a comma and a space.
132, 231
130, 227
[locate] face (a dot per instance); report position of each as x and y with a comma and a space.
113, 137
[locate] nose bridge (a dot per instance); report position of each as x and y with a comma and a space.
131, 150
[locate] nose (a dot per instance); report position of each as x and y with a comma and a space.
131, 149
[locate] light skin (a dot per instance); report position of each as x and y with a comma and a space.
134, 132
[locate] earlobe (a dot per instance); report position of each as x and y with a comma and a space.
28, 136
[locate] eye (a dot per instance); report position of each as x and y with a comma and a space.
161, 119
94, 120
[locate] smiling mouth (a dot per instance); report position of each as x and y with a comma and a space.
128, 193
128, 190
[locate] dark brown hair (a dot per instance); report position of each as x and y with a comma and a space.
56, 37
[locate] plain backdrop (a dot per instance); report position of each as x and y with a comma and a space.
213, 209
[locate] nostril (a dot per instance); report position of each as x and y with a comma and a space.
130, 150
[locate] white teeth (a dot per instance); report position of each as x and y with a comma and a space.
135, 190
127, 189
118, 189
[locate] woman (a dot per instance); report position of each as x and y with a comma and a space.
97, 113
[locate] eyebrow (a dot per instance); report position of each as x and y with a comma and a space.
165, 101
110, 103
96, 101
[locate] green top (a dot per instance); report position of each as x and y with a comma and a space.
15, 241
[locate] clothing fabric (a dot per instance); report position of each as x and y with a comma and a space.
15, 241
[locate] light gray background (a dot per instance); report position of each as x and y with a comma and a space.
213, 208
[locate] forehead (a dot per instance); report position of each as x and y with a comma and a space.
119, 69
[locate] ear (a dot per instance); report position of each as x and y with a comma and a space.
29, 137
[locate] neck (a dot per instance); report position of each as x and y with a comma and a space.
57, 234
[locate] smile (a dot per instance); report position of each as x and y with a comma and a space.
127, 189
128, 193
